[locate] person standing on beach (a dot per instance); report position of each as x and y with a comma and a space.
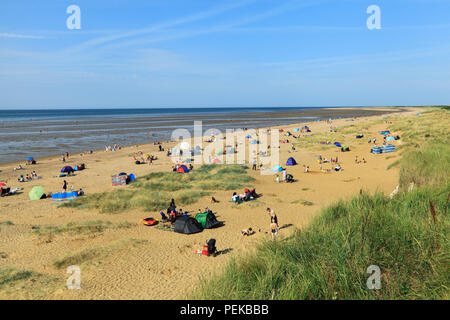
254, 164
65, 186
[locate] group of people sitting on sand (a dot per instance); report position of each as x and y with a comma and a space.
274, 226
357, 161
249, 194
28, 177
325, 160
148, 158
115, 147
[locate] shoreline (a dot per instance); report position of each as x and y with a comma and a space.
230, 122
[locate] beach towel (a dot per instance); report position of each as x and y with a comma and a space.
119, 180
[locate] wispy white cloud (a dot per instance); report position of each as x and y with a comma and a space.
20, 36
169, 24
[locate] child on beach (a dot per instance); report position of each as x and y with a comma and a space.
274, 230
246, 232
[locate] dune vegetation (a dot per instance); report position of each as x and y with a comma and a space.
154, 191
406, 236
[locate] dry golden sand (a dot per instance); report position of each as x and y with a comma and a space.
165, 267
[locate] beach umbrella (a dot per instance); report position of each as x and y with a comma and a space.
2, 184
30, 158
36, 193
67, 169
277, 168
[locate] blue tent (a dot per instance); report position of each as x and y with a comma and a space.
248, 136
418, 114
291, 162
132, 177
30, 159
67, 169
277, 168
122, 174
296, 130
385, 132
390, 138
254, 141
337, 144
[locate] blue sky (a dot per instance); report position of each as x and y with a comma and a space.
207, 53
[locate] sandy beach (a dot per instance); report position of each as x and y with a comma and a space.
140, 262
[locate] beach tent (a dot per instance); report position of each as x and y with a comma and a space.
385, 132
2, 184
30, 159
376, 150
291, 162
64, 196
418, 114
119, 180
187, 225
387, 149
359, 136
254, 141
390, 138
337, 144
296, 130
305, 127
36, 193
131, 177
183, 169
122, 174
207, 220
277, 168
248, 136
67, 169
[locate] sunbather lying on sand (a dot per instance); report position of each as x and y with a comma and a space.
247, 232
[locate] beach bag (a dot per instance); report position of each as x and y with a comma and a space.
212, 246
